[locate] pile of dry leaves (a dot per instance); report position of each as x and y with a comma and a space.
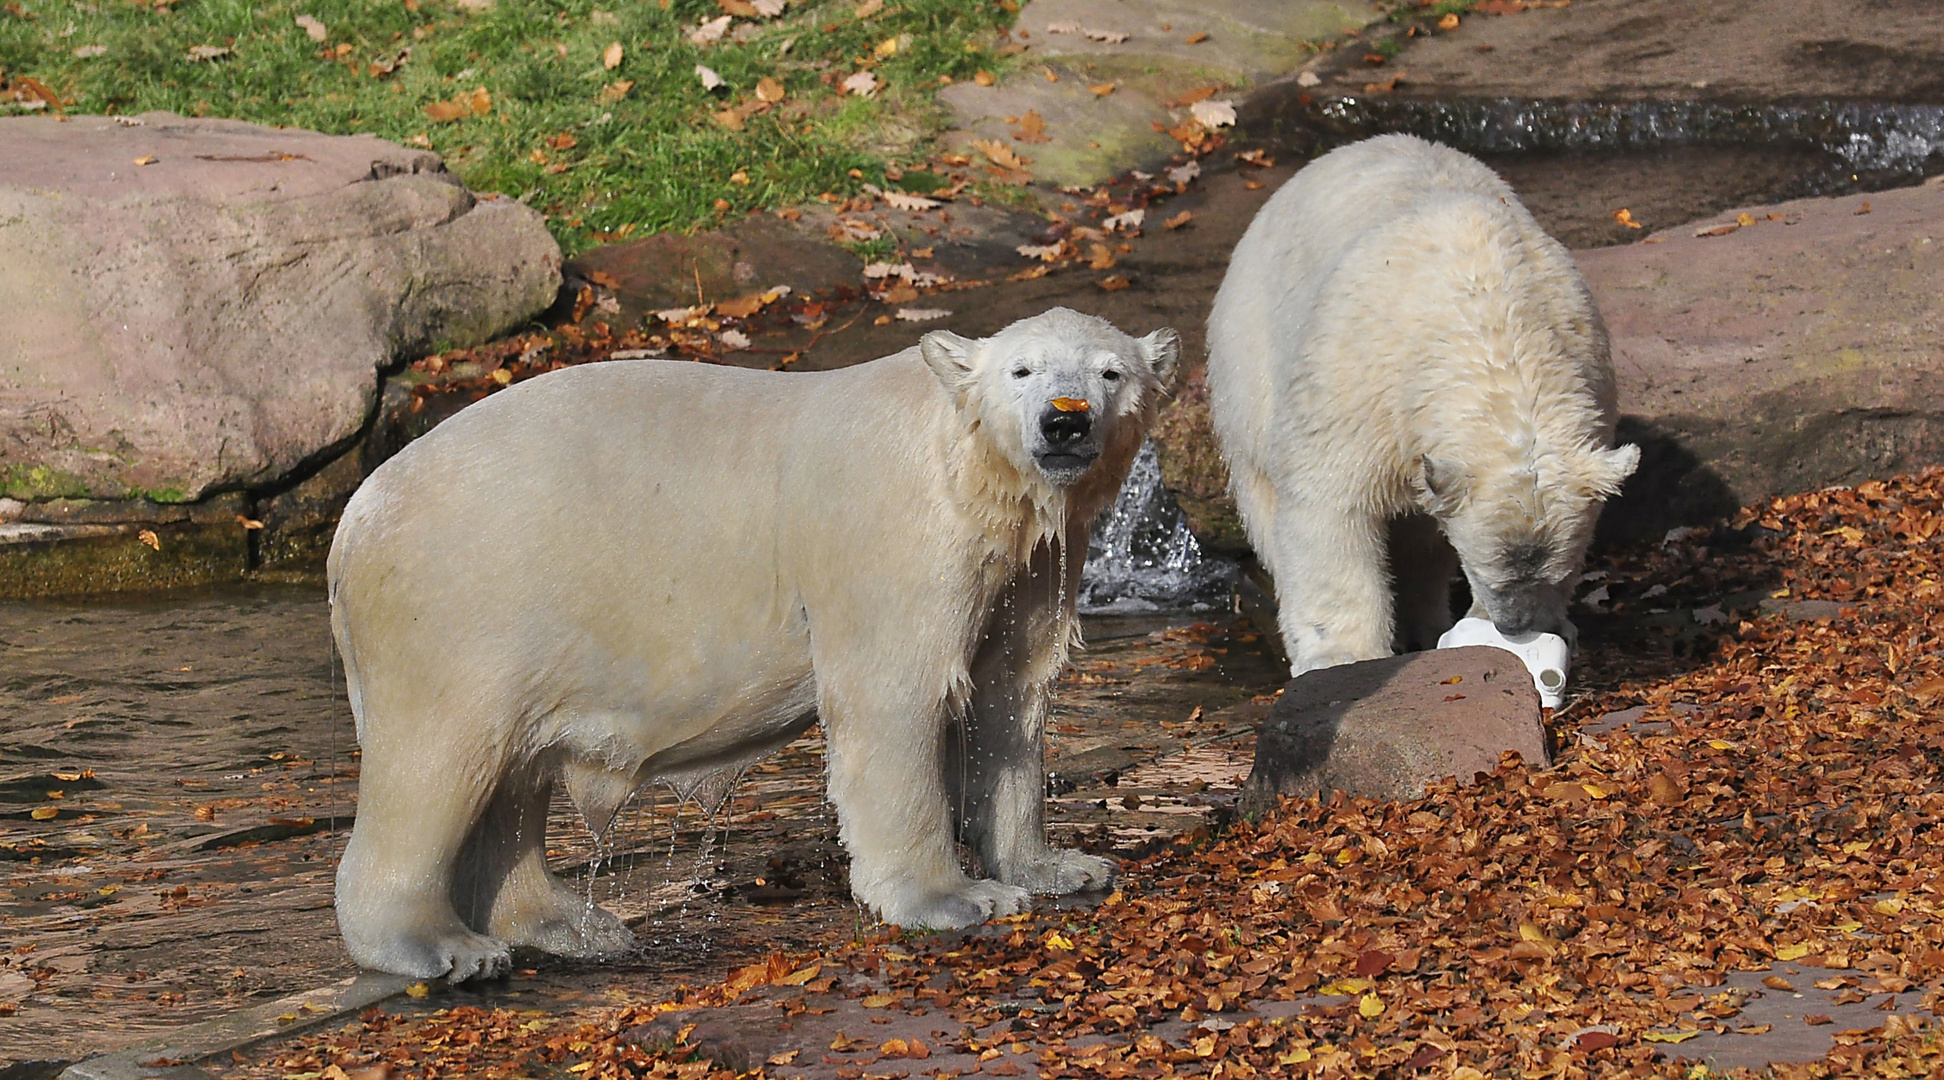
1776, 800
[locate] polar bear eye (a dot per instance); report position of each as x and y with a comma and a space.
1021, 372
1110, 375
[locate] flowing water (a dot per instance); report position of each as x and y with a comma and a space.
1142, 558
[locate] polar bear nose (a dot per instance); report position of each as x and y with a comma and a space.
1064, 428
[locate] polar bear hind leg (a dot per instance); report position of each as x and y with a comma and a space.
504, 887
996, 764
394, 885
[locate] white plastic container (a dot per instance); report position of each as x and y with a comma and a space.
1545, 655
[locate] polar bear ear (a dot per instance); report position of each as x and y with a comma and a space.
950, 357
1441, 484
1612, 467
1161, 350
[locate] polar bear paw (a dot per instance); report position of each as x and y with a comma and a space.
584, 933
971, 903
1058, 871
458, 955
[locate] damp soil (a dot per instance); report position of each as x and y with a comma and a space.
203, 755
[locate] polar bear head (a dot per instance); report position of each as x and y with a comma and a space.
1059, 393
1521, 526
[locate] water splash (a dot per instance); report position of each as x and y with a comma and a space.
1142, 556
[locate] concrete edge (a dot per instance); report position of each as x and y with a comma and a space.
276, 1019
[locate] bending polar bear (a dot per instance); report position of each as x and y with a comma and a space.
1398, 347
642, 570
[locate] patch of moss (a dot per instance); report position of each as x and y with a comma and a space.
36, 482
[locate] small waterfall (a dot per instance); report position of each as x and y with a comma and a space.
1896, 140
1142, 557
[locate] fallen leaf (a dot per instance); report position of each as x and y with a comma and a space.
711, 31
1449, 22
1043, 252
877, 1001
1792, 952
868, 8
1668, 1036
1114, 283
1664, 790
922, 314
1625, 217
1127, 222
147, 159
212, 52
87, 52
886, 49
313, 29
730, 118
1032, 128
1101, 89
710, 80
611, 56
1864, 209
615, 91
1370, 1005
43, 813
1717, 230
983, 78
899, 200
147, 536
1214, 114
1197, 38
1777, 982
1817, 1019
860, 84
1099, 257
768, 89
1179, 220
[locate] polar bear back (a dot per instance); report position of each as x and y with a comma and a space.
1365, 290
485, 554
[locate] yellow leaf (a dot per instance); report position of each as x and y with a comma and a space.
1890, 906
768, 89
784, 1058
1744, 220
417, 990
1449, 22
147, 536
615, 91
42, 813
611, 56
1721, 744
1856, 847
1054, 939
1849, 926
1594, 790
146, 160
1531, 932
983, 78
1668, 1036
1294, 1057
1102, 90
798, 978
480, 101
1370, 1005
1791, 952
886, 48
444, 112
877, 1001
1347, 987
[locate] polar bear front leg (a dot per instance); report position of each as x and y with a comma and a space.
999, 763
1331, 585
887, 782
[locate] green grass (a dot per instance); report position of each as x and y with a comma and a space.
654, 160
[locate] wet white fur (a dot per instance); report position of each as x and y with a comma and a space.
1394, 307
640, 570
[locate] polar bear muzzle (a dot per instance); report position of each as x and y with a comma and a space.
1067, 449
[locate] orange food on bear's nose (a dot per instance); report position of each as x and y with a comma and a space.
1071, 404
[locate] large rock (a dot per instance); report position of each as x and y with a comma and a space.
1384, 729
198, 305
1802, 350
1153, 52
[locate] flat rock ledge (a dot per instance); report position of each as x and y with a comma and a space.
197, 306
1760, 352
1385, 729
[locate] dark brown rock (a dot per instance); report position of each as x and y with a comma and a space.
1384, 729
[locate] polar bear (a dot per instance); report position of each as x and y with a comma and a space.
1407, 375
645, 570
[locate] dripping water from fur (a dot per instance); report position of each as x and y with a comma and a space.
1142, 556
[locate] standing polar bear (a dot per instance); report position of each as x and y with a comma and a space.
647, 570
1401, 362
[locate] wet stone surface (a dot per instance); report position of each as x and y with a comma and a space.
206, 775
